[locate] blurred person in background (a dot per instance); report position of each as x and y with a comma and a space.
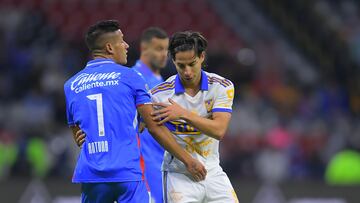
103, 100
154, 45
196, 106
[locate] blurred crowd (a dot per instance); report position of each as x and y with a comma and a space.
287, 123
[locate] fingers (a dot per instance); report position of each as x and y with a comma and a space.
81, 142
171, 101
80, 137
198, 171
164, 120
159, 111
79, 132
160, 116
203, 173
202, 177
159, 104
196, 178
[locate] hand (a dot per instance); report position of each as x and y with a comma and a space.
142, 127
167, 112
79, 137
197, 170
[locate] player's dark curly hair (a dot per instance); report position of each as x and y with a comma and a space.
185, 41
95, 31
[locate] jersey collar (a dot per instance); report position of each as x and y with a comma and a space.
179, 88
96, 62
144, 69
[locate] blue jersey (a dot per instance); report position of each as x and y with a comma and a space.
151, 150
151, 79
102, 99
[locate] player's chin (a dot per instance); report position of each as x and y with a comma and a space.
124, 60
163, 64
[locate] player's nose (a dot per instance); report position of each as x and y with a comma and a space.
126, 45
187, 70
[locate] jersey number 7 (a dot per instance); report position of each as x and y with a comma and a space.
99, 111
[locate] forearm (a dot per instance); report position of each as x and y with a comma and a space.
212, 128
163, 136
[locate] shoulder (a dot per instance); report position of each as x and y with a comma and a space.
131, 73
70, 81
217, 80
136, 69
169, 84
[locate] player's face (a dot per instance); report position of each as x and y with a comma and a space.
120, 48
157, 52
188, 66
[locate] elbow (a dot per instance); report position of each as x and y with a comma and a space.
220, 135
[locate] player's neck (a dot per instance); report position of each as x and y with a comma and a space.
154, 70
101, 56
191, 88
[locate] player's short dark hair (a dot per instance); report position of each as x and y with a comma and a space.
95, 31
153, 32
185, 41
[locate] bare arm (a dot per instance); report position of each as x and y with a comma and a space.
215, 127
166, 139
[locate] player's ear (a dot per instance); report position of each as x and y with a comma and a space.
109, 48
144, 47
202, 56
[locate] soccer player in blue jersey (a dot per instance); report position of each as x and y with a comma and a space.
154, 44
103, 100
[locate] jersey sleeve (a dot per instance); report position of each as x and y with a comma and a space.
224, 99
69, 115
154, 98
141, 89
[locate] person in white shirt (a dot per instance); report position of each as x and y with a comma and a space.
196, 107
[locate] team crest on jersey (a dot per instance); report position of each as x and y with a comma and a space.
209, 104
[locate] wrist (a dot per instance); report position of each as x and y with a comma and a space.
185, 116
188, 160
